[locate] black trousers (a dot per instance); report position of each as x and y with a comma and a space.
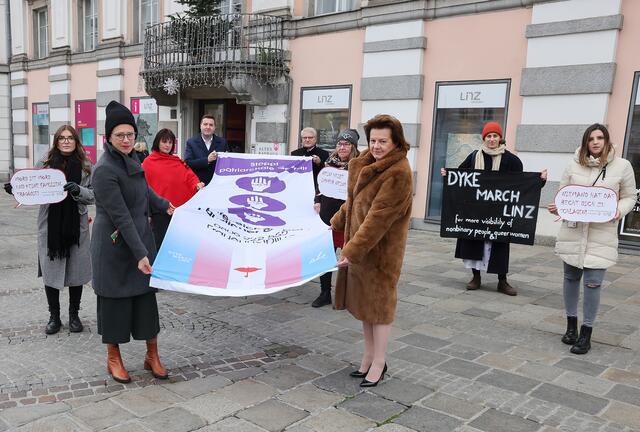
159, 226
119, 319
53, 298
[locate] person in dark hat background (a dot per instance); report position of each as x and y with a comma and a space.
477, 255
123, 247
346, 149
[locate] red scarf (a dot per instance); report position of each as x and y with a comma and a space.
170, 177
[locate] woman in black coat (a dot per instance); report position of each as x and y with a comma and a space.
346, 149
123, 248
492, 257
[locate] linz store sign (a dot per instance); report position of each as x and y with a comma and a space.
472, 96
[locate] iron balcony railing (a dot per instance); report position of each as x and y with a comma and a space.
207, 51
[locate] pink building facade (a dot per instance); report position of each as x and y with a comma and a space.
544, 69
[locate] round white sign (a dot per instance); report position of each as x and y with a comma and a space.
586, 203
38, 186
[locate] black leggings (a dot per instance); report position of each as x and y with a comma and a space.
501, 276
53, 297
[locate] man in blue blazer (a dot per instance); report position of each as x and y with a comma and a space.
202, 150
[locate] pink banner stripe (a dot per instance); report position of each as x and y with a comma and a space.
211, 266
283, 267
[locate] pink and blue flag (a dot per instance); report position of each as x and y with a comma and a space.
252, 230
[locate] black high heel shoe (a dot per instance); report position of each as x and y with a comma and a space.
358, 374
366, 383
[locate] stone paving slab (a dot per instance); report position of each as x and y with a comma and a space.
495, 421
310, 398
427, 420
373, 407
333, 420
173, 420
102, 415
273, 415
147, 401
20, 415
451, 405
400, 391
570, 398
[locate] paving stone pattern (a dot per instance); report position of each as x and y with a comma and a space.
458, 360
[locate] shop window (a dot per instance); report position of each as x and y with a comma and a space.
460, 113
88, 24
40, 33
40, 124
145, 112
630, 225
328, 110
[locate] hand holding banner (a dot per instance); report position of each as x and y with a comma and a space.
38, 186
586, 203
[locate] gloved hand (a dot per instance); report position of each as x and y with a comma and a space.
8, 188
72, 188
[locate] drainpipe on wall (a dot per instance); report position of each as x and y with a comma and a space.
9, 54
288, 128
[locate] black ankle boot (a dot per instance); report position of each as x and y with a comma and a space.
54, 324
571, 335
583, 344
323, 299
75, 325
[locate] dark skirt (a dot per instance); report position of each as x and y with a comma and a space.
474, 250
122, 318
159, 225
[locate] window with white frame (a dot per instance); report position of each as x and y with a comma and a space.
40, 33
148, 14
332, 6
89, 24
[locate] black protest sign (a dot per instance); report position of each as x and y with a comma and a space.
490, 205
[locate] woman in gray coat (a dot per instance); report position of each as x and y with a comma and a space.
63, 229
122, 246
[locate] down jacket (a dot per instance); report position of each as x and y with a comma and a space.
375, 221
595, 245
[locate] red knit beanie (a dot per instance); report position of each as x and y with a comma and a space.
491, 127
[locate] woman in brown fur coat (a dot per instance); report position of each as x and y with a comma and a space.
375, 220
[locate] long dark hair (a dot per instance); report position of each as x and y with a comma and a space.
79, 152
583, 156
164, 135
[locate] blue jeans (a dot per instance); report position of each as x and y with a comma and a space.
571, 289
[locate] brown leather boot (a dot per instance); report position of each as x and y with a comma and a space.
152, 361
474, 283
505, 288
115, 366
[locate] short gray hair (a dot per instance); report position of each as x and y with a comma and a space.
309, 129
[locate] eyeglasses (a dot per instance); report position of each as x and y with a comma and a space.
122, 136
63, 139
343, 144
307, 138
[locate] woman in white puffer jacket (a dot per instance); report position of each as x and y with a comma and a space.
588, 249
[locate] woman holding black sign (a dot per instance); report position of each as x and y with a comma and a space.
492, 257
588, 249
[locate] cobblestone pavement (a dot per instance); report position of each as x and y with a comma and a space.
458, 360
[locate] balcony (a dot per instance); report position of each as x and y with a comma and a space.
236, 51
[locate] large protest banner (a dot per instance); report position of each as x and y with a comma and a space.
488, 205
252, 230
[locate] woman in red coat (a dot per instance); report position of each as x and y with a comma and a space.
170, 177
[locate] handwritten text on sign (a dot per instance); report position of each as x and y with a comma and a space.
489, 205
38, 186
586, 203
332, 183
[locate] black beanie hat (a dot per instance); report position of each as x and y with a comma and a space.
117, 114
350, 135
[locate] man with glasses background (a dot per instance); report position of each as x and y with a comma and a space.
309, 138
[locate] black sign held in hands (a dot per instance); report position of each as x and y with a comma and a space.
489, 205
